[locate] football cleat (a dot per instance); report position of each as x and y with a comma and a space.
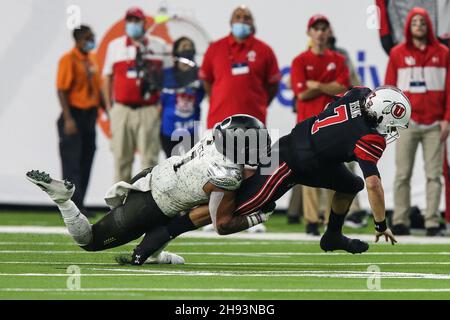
165, 257
259, 228
59, 190
337, 241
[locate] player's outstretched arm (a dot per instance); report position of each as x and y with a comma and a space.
376, 199
222, 206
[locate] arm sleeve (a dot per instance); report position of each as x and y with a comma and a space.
298, 76
368, 168
273, 71
65, 74
206, 70
368, 150
391, 71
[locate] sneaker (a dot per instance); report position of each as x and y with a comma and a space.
356, 220
59, 190
435, 232
259, 228
165, 257
337, 241
312, 229
400, 230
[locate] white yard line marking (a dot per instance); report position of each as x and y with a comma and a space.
180, 244
436, 290
244, 254
241, 235
273, 273
242, 263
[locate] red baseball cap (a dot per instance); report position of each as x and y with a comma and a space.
135, 12
317, 18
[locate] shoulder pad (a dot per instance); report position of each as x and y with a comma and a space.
224, 177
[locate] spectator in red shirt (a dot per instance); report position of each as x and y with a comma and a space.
240, 72
316, 76
133, 79
420, 68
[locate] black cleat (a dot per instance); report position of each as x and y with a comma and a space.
337, 241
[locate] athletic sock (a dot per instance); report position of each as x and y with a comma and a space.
77, 224
180, 225
335, 222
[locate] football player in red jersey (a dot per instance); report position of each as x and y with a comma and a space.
355, 127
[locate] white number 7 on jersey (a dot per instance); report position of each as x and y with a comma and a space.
339, 117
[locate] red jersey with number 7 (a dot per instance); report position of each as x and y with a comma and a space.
341, 133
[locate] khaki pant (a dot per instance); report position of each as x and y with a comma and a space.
134, 129
311, 203
405, 152
295, 208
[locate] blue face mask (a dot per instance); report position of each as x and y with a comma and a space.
240, 30
134, 30
89, 46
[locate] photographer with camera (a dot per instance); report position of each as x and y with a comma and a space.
181, 96
133, 79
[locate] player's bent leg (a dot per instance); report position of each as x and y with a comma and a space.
347, 185
61, 192
333, 239
158, 237
127, 222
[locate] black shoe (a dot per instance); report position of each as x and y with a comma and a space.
293, 220
312, 229
337, 241
400, 230
356, 220
435, 232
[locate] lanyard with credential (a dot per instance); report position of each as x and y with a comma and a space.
238, 67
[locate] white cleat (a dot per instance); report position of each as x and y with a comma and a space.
166, 257
208, 228
259, 228
59, 190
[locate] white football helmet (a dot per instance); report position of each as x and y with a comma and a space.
392, 110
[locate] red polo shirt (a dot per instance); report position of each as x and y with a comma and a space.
120, 62
324, 68
246, 90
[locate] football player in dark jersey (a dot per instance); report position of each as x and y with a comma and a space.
355, 127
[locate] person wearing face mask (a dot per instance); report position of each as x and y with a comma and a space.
132, 84
79, 92
240, 72
181, 96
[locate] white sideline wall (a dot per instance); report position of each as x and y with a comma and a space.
35, 35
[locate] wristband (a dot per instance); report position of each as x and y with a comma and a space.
380, 226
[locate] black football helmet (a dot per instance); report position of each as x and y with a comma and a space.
243, 139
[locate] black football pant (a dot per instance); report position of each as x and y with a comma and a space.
270, 182
138, 215
77, 151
